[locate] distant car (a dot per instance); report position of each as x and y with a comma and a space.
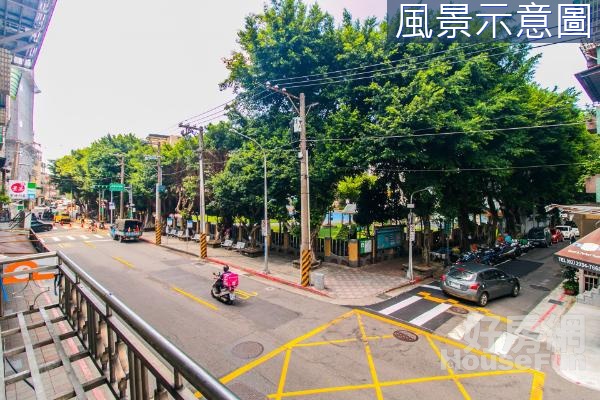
126, 229
39, 226
62, 217
479, 283
539, 237
568, 231
557, 235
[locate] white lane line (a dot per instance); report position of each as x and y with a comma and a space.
463, 329
431, 314
98, 236
83, 237
70, 238
432, 287
400, 305
56, 239
503, 344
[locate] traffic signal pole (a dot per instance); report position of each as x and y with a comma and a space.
121, 201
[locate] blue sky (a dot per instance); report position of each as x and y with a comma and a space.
141, 66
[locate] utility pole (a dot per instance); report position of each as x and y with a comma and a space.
121, 201
189, 130
305, 251
158, 218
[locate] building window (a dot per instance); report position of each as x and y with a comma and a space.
590, 280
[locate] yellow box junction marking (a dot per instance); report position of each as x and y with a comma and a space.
196, 299
538, 377
124, 262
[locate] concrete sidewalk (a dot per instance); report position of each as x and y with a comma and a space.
343, 285
576, 346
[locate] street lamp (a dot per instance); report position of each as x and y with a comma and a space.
157, 140
265, 201
189, 130
411, 230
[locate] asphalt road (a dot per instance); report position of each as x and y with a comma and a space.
489, 329
277, 343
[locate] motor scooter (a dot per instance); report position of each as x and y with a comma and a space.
226, 293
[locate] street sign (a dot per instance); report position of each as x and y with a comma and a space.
111, 206
162, 188
263, 228
150, 158
366, 246
17, 190
116, 187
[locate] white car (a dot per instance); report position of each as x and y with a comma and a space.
568, 231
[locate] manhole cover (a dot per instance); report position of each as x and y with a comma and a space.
406, 336
539, 287
458, 310
247, 350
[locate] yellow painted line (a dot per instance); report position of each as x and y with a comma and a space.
424, 294
124, 262
89, 244
245, 295
460, 386
395, 383
324, 390
454, 303
283, 376
339, 341
537, 386
370, 358
242, 370
197, 300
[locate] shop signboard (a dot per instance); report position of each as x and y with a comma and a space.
365, 246
17, 190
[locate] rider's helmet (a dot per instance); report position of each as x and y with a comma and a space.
226, 268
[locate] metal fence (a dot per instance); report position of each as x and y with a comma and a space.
120, 343
339, 247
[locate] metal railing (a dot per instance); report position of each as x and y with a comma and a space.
121, 344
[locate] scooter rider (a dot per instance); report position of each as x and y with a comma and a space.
219, 283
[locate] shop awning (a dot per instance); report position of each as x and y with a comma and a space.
583, 254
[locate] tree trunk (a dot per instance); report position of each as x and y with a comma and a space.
494, 218
463, 225
426, 221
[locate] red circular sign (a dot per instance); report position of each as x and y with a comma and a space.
17, 187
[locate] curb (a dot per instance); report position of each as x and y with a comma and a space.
269, 277
249, 271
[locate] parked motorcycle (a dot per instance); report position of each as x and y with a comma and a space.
224, 287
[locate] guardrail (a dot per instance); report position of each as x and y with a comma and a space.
120, 343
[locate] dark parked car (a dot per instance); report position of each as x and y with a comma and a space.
39, 226
479, 283
539, 237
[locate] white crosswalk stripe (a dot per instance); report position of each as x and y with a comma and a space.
431, 314
71, 238
98, 236
503, 344
463, 329
432, 287
56, 239
84, 237
400, 305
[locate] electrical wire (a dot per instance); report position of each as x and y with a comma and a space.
378, 137
283, 81
375, 75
